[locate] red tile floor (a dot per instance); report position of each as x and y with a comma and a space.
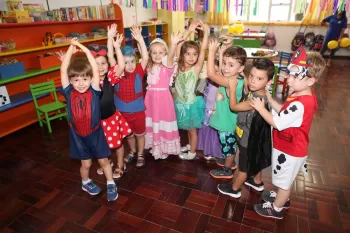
40, 186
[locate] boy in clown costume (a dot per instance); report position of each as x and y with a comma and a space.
291, 128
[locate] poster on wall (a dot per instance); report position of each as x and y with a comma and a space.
4, 96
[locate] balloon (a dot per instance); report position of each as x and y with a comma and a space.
332, 44
344, 43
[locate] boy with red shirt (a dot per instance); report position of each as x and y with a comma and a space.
290, 130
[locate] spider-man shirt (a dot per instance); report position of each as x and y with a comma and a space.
83, 110
129, 92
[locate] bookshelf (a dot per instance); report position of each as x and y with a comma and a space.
28, 37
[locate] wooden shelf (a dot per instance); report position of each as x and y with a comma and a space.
17, 25
34, 49
29, 73
19, 99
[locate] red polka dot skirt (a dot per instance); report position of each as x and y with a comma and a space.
116, 128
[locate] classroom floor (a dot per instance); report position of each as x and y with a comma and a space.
40, 187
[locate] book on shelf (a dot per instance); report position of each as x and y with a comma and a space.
84, 13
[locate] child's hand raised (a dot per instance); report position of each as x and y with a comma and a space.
136, 33
257, 103
213, 45
74, 41
118, 40
193, 26
112, 31
177, 38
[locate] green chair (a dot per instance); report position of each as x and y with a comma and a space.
44, 111
247, 43
275, 81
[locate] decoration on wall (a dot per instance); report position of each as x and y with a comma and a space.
320, 9
4, 96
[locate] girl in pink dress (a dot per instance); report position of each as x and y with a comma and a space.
162, 134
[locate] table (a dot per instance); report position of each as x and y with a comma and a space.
249, 51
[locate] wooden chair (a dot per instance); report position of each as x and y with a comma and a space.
43, 111
247, 43
58, 85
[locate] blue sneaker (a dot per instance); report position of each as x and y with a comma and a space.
91, 188
112, 193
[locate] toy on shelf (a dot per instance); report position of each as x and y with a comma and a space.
4, 96
48, 39
8, 45
59, 38
14, 6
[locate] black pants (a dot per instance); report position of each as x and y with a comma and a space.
325, 47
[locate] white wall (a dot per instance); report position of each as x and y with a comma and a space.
128, 12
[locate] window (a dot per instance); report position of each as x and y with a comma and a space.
268, 10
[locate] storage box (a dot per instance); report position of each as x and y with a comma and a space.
11, 70
14, 5
47, 62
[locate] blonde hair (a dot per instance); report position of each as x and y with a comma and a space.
318, 65
150, 62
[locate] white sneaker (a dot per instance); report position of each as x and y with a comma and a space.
185, 148
187, 156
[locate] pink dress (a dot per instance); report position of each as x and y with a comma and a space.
162, 134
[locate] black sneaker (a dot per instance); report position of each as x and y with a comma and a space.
270, 196
267, 210
221, 162
222, 173
251, 183
226, 189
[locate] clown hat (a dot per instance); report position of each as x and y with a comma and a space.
299, 57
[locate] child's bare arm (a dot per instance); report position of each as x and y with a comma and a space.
191, 29
136, 33
95, 73
65, 63
212, 75
175, 40
199, 65
234, 106
118, 70
273, 103
112, 30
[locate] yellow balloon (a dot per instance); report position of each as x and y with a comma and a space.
344, 43
332, 44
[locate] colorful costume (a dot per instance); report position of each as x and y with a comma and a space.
129, 101
114, 125
86, 136
293, 123
224, 120
162, 134
208, 139
189, 107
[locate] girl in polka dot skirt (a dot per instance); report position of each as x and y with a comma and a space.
114, 125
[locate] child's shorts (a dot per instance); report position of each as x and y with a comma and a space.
285, 168
93, 146
136, 121
243, 159
228, 143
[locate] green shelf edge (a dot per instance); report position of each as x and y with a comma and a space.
29, 73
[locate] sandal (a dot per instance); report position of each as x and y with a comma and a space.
118, 172
100, 170
130, 157
141, 162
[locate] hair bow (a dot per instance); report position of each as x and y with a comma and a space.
98, 50
99, 53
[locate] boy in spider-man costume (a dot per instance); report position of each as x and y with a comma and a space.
128, 97
291, 128
80, 82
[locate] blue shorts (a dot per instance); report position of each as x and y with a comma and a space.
93, 146
228, 143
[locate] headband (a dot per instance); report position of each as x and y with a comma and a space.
98, 50
158, 40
